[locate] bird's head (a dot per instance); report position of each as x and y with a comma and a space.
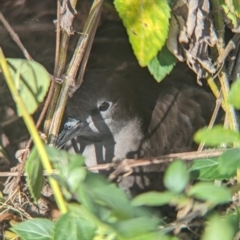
100, 108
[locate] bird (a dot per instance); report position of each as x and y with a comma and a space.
135, 117
122, 112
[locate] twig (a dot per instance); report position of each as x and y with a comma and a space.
58, 35
213, 119
15, 37
216, 92
224, 81
128, 164
82, 67
33, 132
73, 69
43, 113
219, 23
59, 68
235, 74
232, 44
9, 121
223, 78
27, 28
188, 156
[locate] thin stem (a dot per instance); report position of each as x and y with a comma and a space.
15, 37
34, 133
60, 63
72, 70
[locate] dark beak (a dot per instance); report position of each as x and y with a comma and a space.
72, 128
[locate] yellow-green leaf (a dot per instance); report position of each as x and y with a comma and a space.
162, 64
221, 227
234, 96
231, 9
147, 23
74, 225
217, 135
32, 81
37, 228
236, 5
34, 170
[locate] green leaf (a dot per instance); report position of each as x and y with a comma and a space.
96, 192
37, 228
136, 227
71, 169
57, 155
232, 8
231, 16
153, 236
229, 161
107, 202
162, 64
32, 81
74, 225
110, 196
176, 177
34, 171
217, 135
154, 198
207, 170
70, 166
221, 228
3, 154
236, 5
234, 95
147, 24
210, 192
76, 176
64, 158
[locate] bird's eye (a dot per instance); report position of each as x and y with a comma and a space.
104, 106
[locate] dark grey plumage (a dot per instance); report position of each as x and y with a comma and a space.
124, 113
143, 118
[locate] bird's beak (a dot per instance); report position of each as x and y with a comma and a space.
72, 128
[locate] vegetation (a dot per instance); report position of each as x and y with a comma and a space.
100, 209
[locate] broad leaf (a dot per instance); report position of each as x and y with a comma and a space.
76, 176
32, 81
229, 161
161, 65
74, 225
97, 190
221, 227
56, 156
71, 169
176, 177
210, 192
231, 7
154, 198
217, 135
136, 227
154, 236
236, 5
147, 24
34, 171
207, 170
234, 95
37, 228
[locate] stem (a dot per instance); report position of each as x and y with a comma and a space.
219, 24
223, 77
60, 62
34, 133
73, 67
